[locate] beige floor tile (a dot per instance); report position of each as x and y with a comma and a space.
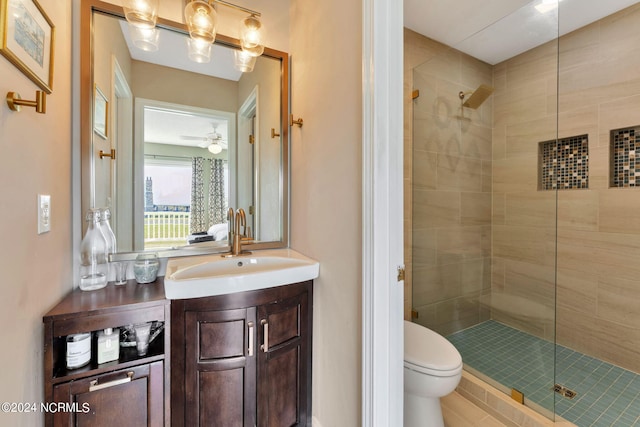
459, 412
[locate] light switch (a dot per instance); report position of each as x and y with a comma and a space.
44, 213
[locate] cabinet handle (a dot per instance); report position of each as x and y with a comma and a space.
250, 324
265, 333
94, 386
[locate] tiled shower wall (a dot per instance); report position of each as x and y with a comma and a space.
598, 228
523, 218
451, 192
598, 235
598, 232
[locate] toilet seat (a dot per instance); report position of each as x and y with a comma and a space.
433, 372
430, 353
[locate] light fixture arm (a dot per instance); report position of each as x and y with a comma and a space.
234, 6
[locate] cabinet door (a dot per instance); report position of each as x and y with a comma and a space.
220, 368
129, 397
284, 368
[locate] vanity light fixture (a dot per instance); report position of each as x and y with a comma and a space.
199, 51
243, 61
202, 18
251, 36
141, 13
144, 38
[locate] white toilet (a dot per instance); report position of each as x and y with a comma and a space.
432, 369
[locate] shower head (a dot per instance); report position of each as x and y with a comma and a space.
477, 97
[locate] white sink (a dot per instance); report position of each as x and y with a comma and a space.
210, 275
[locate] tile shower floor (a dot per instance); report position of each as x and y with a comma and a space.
606, 394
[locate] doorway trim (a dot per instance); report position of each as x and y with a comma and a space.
382, 184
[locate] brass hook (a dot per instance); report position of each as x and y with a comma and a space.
111, 155
14, 101
295, 122
273, 133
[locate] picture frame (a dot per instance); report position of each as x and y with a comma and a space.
27, 40
100, 113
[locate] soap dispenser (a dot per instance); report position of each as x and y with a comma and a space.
108, 345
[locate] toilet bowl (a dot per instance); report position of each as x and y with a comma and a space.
432, 369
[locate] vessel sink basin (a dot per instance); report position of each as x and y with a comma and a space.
210, 275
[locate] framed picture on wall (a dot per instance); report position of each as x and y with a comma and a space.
27, 40
100, 112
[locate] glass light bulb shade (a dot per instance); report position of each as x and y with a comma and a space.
144, 38
199, 51
215, 148
141, 13
252, 36
243, 61
201, 19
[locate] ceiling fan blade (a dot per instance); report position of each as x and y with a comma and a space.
193, 138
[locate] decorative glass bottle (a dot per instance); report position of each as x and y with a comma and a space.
94, 261
105, 227
107, 232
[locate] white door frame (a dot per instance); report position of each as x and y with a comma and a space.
382, 169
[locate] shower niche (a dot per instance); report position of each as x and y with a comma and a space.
564, 163
625, 157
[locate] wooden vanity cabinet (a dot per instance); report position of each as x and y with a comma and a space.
133, 390
243, 359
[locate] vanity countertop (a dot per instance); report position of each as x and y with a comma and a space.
112, 298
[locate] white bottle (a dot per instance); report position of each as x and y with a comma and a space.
108, 345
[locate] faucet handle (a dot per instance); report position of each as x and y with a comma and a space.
231, 223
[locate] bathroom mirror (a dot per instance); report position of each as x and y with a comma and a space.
183, 141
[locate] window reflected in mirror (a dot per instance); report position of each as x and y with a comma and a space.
186, 176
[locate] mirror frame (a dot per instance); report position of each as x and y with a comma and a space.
87, 159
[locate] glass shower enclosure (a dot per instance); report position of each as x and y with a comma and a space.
523, 246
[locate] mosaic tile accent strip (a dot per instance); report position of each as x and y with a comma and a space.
625, 169
606, 394
564, 164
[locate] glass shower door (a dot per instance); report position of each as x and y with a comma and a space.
483, 226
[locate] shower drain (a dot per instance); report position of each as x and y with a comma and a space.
563, 391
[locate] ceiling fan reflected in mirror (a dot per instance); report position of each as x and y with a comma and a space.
212, 141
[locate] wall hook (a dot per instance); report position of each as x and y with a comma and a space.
273, 133
14, 101
111, 155
295, 122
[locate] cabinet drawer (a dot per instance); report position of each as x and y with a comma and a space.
127, 397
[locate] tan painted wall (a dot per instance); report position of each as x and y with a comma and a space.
166, 84
326, 194
36, 269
